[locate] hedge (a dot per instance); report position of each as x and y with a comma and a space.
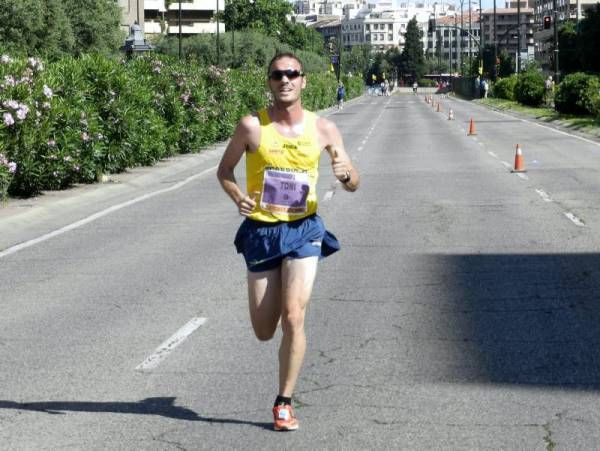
76, 119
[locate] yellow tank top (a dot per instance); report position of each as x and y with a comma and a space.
282, 173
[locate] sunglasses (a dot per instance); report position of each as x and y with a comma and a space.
291, 74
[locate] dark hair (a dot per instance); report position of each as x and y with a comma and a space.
279, 56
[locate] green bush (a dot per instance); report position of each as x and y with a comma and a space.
529, 89
504, 88
577, 94
80, 118
426, 83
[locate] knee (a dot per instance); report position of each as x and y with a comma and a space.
264, 334
292, 321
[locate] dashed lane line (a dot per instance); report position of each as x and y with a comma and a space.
163, 351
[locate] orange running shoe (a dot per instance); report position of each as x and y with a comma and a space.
284, 418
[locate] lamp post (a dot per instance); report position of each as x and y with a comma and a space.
232, 33
461, 36
218, 43
495, 45
556, 80
518, 36
179, 35
470, 34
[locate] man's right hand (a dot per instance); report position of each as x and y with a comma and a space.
246, 205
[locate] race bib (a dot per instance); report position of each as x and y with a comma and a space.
285, 192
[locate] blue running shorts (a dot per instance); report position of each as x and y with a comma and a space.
264, 245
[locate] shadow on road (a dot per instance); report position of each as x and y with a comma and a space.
149, 406
523, 319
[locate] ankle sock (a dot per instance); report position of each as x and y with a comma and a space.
283, 400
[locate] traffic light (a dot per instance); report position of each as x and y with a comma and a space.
547, 22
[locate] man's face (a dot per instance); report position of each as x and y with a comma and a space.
286, 81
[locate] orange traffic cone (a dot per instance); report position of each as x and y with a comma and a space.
439, 108
450, 115
472, 127
519, 162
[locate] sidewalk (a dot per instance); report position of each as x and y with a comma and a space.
27, 219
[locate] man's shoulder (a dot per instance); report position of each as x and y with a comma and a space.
250, 121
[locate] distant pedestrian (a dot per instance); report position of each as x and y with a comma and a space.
415, 87
486, 88
341, 94
549, 90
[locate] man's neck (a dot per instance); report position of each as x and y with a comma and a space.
287, 114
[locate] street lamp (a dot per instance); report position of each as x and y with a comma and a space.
135, 42
518, 36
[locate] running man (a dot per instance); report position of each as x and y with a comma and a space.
282, 238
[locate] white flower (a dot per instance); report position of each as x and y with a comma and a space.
48, 92
5, 59
22, 112
8, 119
12, 167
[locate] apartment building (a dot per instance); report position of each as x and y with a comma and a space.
455, 40
384, 27
507, 31
197, 16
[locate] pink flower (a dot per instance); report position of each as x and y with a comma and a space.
8, 119
85, 137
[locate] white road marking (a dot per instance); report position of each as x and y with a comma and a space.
328, 196
544, 195
492, 154
523, 176
168, 345
577, 221
508, 165
100, 214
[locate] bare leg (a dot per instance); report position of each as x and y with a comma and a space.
297, 279
264, 296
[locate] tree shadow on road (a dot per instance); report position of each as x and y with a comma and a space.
150, 406
523, 319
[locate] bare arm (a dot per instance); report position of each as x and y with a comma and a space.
331, 139
245, 137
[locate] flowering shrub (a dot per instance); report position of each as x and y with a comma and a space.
7, 170
80, 118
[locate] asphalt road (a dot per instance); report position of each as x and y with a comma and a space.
461, 313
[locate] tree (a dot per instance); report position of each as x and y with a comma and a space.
357, 60
35, 27
588, 39
567, 43
96, 25
267, 16
507, 64
55, 27
412, 54
299, 36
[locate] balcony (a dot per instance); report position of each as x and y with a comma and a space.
196, 27
154, 5
198, 5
